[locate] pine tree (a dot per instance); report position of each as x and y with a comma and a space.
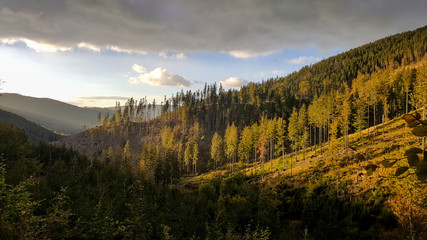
195, 156
231, 143
262, 149
345, 113
245, 144
293, 129
302, 137
281, 137
188, 156
118, 114
217, 149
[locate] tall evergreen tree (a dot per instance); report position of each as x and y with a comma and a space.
217, 149
231, 139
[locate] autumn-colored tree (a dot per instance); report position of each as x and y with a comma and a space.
127, 156
188, 157
293, 129
420, 89
345, 113
420, 94
231, 139
407, 78
245, 144
195, 156
408, 204
302, 128
168, 138
217, 149
262, 149
118, 114
106, 119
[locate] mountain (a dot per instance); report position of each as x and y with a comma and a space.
34, 132
54, 115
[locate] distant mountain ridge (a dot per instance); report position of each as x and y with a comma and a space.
52, 114
35, 133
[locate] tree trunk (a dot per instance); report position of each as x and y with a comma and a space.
407, 101
283, 154
375, 119
424, 138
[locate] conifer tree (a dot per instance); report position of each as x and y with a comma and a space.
231, 143
118, 114
293, 129
262, 149
245, 144
217, 149
195, 156
280, 137
345, 113
188, 157
302, 137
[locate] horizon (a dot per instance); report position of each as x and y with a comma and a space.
92, 55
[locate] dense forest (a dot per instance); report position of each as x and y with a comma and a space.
319, 154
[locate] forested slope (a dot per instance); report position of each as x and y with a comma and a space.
35, 133
337, 96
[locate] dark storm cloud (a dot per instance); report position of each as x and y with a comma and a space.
243, 28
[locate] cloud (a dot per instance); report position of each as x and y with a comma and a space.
305, 60
157, 77
139, 69
249, 54
89, 46
242, 28
104, 98
36, 46
178, 56
234, 82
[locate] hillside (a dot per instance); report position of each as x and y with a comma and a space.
374, 90
54, 115
34, 132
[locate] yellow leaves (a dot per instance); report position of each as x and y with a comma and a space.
407, 204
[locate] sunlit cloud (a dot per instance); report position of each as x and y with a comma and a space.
250, 54
36, 46
104, 98
121, 50
139, 69
234, 82
178, 56
89, 46
305, 60
157, 77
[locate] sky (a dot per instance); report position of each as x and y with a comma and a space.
96, 52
